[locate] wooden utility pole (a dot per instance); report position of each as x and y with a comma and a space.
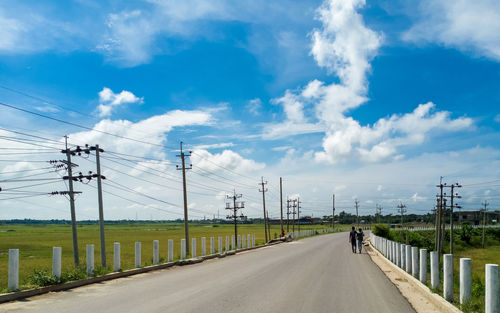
356, 204
485, 204
333, 212
281, 207
186, 219
263, 190
72, 203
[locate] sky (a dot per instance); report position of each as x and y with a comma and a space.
376, 101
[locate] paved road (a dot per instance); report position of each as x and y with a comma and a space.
318, 274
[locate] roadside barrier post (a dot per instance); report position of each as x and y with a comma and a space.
56, 261
465, 280
243, 243
249, 240
193, 247
227, 243
253, 240
239, 242
212, 245
156, 252
183, 249
414, 261
220, 244
448, 277
13, 283
116, 257
491, 301
398, 254
233, 243
403, 256
434, 269
423, 266
170, 250
137, 254
408, 258
90, 260
203, 246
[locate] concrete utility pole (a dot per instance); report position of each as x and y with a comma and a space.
184, 168
439, 232
236, 206
356, 204
287, 214
100, 202
402, 210
263, 190
437, 224
281, 206
378, 209
294, 205
72, 202
485, 204
298, 211
452, 206
333, 212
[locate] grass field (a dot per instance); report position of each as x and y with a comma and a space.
35, 243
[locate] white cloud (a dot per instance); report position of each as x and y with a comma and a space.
215, 146
465, 25
253, 106
227, 159
108, 100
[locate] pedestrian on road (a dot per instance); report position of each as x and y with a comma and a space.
360, 236
352, 239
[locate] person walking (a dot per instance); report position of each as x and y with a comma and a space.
352, 239
359, 236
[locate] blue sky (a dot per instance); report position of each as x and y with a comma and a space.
371, 100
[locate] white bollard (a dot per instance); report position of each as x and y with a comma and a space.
90, 260
249, 240
56, 261
491, 301
253, 240
13, 283
434, 269
156, 252
243, 239
203, 246
408, 259
239, 242
170, 250
116, 257
183, 249
233, 243
137, 254
414, 261
212, 245
423, 266
465, 280
227, 243
193, 247
220, 245
448, 277
403, 256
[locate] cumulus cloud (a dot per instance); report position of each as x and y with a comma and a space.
228, 159
465, 25
108, 100
215, 146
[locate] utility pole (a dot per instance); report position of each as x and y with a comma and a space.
236, 206
281, 207
294, 205
100, 202
440, 217
485, 204
298, 211
186, 219
356, 204
72, 202
333, 212
402, 210
452, 206
263, 190
437, 224
287, 214
378, 209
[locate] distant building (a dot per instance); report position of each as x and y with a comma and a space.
476, 217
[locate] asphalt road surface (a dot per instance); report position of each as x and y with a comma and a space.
318, 274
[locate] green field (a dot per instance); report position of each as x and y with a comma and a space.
35, 243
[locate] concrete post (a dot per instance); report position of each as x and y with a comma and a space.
414, 261
465, 280
253, 240
56, 261
90, 260
239, 242
227, 243
423, 266
233, 243
203, 246
170, 250
156, 252
212, 245
137, 254
403, 256
116, 257
193, 247
398, 254
408, 259
249, 240
434, 269
13, 283
220, 245
183, 249
243, 239
491, 300
448, 277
